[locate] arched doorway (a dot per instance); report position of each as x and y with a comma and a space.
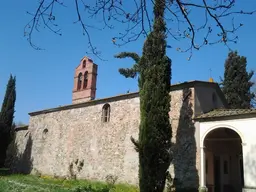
223, 161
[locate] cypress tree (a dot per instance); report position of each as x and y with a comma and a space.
134, 70
6, 117
155, 130
237, 83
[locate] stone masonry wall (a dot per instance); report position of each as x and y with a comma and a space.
77, 142
186, 157
79, 135
19, 152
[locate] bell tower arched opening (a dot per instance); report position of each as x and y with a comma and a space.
79, 81
85, 81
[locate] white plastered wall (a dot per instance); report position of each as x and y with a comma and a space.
246, 128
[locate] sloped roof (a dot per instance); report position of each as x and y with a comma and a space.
226, 113
174, 87
23, 127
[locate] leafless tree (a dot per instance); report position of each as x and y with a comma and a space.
201, 22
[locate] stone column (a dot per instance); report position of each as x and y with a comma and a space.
202, 187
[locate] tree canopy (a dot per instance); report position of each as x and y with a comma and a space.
6, 117
237, 84
154, 144
134, 70
8, 105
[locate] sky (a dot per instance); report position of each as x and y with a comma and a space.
44, 78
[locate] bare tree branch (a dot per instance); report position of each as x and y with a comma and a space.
137, 16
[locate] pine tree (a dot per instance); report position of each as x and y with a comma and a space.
155, 130
237, 83
6, 117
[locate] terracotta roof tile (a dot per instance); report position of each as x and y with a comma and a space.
226, 113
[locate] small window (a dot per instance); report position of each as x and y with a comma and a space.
85, 80
106, 113
79, 81
84, 63
45, 131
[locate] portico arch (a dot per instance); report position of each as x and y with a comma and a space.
222, 160
219, 126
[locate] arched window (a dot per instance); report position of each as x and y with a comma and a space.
84, 63
105, 113
79, 81
85, 79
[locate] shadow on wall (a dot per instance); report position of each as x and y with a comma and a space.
20, 162
186, 174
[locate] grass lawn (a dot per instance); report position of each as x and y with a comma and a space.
28, 183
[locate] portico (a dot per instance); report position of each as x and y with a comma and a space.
228, 150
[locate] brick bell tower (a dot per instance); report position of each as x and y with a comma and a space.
85, 81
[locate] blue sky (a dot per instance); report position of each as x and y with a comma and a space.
45, 78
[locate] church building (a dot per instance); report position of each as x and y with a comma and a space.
213, 147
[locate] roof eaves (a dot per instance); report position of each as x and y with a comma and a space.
118, 97
218, 114
87, 103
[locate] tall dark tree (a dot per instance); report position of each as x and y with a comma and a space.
155, 134
237, 83
6, 117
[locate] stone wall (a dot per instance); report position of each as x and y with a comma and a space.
19, 151
75, 141
73, 137
185, 164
